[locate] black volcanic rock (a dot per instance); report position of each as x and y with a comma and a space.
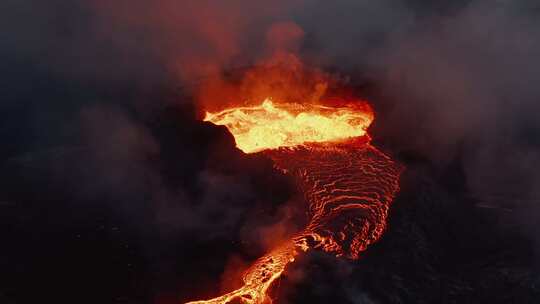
439, 248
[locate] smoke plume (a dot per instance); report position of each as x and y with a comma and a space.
100, 100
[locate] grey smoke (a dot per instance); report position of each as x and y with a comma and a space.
467, 84
458, 78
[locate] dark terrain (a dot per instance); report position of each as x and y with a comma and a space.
115, 224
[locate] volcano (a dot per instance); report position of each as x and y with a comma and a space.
347, 183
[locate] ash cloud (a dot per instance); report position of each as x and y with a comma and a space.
139, 42
83, 102
464, 88
454, 82
95, 73
104, 161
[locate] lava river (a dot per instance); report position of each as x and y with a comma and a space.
347, 183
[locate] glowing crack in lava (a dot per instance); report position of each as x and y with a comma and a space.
347, 183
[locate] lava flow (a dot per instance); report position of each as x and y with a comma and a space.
347, 183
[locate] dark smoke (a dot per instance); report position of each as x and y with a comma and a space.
465, 86
454, 80
105, 164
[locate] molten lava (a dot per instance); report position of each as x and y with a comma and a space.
347, 183
270, 126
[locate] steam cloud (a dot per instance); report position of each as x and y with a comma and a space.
454, 81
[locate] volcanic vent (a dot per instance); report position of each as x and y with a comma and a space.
347, 183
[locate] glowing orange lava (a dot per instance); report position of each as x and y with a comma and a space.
347, 183
270, 126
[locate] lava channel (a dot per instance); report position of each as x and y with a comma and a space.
347, 183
